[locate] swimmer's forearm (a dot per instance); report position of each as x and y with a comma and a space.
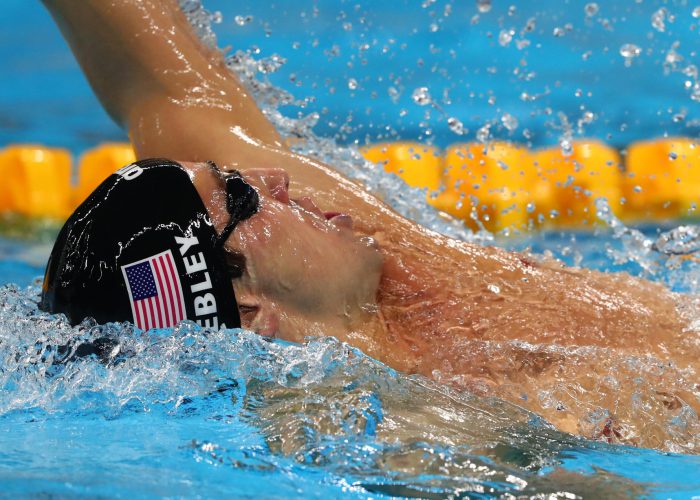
142, 56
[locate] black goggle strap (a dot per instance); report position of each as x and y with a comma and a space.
242, 201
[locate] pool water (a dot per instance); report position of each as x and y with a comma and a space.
189, 412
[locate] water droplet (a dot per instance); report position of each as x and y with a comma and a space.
509, 121
629, 51
483, 134
591, 9
696, 12
673, 57
242, 20
455, 125
493, 288
567, 148
505, 36
421, 96
637, 189
352, 84
682, 240
672, 155
530, 25
658, 19
434, 27
271, 64
394, 94
695, 94
484, 6
558, 31
530, 207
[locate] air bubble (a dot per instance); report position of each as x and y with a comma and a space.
352, 84
696, 12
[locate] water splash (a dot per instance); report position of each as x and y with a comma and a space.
321, 404
683, 240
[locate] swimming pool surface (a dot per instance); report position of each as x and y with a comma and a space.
220, 414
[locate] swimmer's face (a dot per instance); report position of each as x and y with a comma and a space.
300, 267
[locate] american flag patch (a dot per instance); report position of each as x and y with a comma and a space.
155, 292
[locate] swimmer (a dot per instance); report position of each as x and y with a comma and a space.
242, 231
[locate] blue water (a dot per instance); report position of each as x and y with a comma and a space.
194, 413
47, 100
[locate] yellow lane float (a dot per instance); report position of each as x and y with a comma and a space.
98, 164
575, 180
499, 186
419, 166
493, 183
662, 179
36, 181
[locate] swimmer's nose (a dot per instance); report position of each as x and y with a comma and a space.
275, 180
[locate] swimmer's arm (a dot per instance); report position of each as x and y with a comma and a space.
178, 100
142, 57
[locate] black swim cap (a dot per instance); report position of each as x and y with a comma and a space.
143, 249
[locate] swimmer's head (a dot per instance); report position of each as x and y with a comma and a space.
142, 248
